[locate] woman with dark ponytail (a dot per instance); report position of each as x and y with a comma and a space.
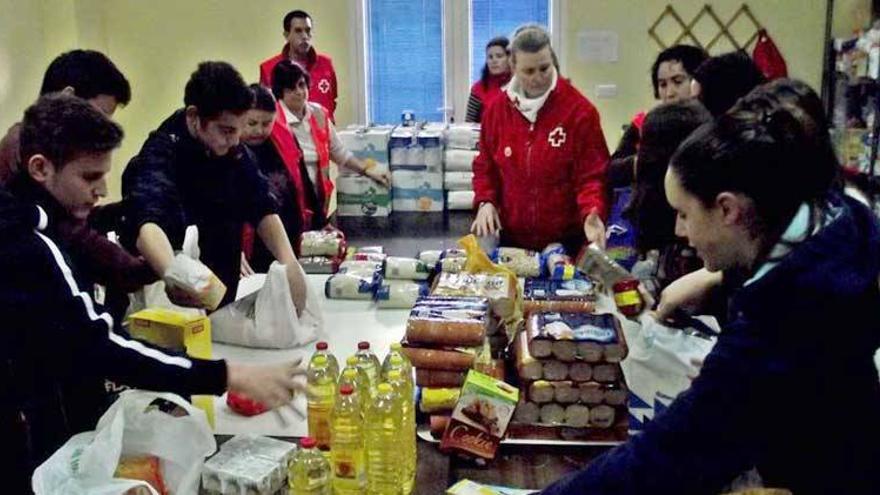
791, 387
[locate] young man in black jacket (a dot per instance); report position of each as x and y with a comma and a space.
55, 338
192, 170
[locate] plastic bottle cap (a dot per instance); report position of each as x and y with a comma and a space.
351, 361
321, 346
346, 389
308, 443
363, 345
393, 374
320, 360
396, 346
396, 360
350, 374
384, 388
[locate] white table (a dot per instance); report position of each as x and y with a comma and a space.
345, 324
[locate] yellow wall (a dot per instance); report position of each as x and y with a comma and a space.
158, 43
797, 27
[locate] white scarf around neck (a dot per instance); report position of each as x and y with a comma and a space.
529, 107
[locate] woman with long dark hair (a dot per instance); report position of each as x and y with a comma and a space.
496, 73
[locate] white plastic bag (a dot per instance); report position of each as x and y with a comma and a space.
86, 463
659, 365
267, 318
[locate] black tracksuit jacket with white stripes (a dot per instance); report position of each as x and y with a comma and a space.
55, 338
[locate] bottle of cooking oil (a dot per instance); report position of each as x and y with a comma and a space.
404, 396
355, 377
368, 362
320, 392
323, 349
347, 444
396, 350
309, 471
384, 455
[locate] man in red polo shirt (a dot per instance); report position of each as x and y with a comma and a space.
298, 33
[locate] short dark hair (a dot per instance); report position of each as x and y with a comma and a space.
725, 79
286, 75
90, 73
501, 41
664, 129
63, 127
762, 149
216, 87
263, 99
690, 57
295, 14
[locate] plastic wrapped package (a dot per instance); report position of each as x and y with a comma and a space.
405, 269
229, 473
565, 332
430, 257
366, 143
359, 196
527, 367
364, 268
559, 265
399, 294
463, 136
197, 279
447, 322
256, 445
351, 286
460, 200
417, 190
458, 181
523, 262
322, 243
564, 296
452, 261
321, 265
498, 288
439, 379
440, 359
431, 143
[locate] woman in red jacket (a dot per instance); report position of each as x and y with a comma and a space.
539, 177
496, 73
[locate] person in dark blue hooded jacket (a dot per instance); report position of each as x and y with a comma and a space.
791, 387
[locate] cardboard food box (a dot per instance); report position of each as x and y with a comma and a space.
417, 191
481, 416
362, 197
177, 332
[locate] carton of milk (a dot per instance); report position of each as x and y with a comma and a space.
417, 190
359, 196
368, 144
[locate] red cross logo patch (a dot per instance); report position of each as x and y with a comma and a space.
324, 86
556, 138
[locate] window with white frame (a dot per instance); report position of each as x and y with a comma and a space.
423, 55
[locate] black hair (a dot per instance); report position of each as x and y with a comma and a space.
216, 87
664, 129
689, 56
90, 73
501, 41
294, 14
286, 75
725, 79
263, 99
762, 149
62, 127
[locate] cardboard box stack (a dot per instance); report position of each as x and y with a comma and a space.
462, 143
359, 196
416, 161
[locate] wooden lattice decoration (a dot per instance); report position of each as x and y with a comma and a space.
723, 28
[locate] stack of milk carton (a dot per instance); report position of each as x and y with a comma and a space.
462, 143
360, 196
416, 156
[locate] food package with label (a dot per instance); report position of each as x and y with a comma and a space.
405, 269
359, 196
576, 295
481, 416
352, 285
145, 468
322, 243
571, 336
438, 400
498, 288
366, 268
248, 465
452, 261
431, 142
366, 253
417, 191
369, 144
400, 294
319, 265
523, 262
448, 321
559, 265
195, 278
458, 181
463, 136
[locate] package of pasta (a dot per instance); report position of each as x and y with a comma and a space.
351, 286
320, 265
441, 359
362, 268
447, 323
322, 243
523, 262
436, 400
498, 288
405, 269
565, 336
568, 296
399, 294
367, 256
452, 261
430, 257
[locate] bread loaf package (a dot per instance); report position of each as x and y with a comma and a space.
448, 322
523, 262
440, 359
322, 243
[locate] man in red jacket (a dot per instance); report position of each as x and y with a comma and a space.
298, 33
539, 177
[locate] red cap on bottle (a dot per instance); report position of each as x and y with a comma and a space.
308, 443
363, 345
321, 346
346, 389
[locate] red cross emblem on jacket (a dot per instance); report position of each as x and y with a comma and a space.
556, 138
324, 86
